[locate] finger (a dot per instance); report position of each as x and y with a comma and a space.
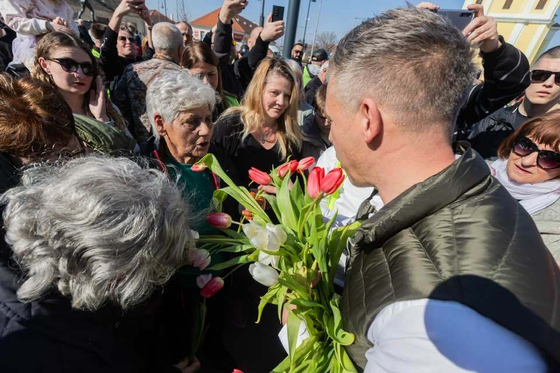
478, 9
269, 18
427, 5
483, 37
479, 31
475, 23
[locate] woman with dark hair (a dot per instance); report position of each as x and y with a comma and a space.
529, 168
202, 62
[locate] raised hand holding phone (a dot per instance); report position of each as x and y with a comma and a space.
483, 30
272, 30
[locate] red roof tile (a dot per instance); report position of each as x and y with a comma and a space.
240, 24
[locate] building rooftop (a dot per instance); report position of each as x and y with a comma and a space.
240, 24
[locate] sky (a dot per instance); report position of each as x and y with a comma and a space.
338, 16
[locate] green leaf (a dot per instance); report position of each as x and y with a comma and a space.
237, 249
265, 299
285, 205
293, 332
280, 298
230, 263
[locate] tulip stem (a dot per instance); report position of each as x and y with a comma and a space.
233, 270
311, 209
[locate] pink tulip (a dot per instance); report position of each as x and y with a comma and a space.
332, 181
314, 183
200, 258
202, 280
291, 166
219, 220
305, 163
259, 177
198, 167
212, 287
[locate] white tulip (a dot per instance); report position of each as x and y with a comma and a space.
263, 274
202, 280
269, 238
269, 260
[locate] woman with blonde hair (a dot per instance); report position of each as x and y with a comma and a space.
63, 61
263, 132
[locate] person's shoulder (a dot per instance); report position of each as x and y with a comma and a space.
229, 122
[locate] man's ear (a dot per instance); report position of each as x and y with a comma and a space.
160, 124
372, 121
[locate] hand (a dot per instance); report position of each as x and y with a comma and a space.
482, 31
127, 6
59, 25
144, 13
231, 9
185, 367
272, 30
80, 22
426, 5
97, 101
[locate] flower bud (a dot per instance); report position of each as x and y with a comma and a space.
332, 181
219, 220
306, 163
212, 287
203, 280
263, 274
314, 183
200, 258
198, 167
259, 177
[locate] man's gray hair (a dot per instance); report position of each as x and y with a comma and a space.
166, 38
298, 73
410, 61
173, 92
100, 230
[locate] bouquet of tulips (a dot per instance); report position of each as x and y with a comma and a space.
296, 259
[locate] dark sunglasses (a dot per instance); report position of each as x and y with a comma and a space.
539, 76
124, 38
546, 159
71, 66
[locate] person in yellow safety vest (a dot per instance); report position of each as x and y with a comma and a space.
319, 57
96, 32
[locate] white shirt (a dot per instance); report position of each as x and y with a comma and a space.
428, 335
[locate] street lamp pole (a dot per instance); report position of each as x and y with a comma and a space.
291, 27
306, 20
261, 18
316, 27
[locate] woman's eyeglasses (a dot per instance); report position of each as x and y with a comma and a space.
546, 159
124, 39
71, 66
539, 76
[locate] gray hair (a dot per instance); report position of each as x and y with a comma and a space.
166, 37
298, 74
410, 61
173, 92
98, 229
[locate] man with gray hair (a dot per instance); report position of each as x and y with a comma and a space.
130, 91
451, 274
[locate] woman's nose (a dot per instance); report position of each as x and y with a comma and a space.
530, 159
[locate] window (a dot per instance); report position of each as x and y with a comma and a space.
507, 4
541, 4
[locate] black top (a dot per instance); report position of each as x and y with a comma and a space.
245, 153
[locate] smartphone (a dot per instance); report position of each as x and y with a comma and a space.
459, 17
277, 13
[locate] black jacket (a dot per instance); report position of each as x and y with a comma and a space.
458, 236
49, 336
311, 89
236, 77
506, 76
487, 135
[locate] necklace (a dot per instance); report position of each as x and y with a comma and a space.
266, 136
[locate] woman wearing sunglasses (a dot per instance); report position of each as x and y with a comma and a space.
65, 62
529, 168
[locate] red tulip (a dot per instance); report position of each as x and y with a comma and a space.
237, 371
291, 166
305, 163
332, 181
212, 287
259, 177
219, 220
314, 183
198, 167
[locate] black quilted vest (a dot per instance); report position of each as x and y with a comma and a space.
458, 236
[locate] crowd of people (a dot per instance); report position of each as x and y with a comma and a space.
457, 184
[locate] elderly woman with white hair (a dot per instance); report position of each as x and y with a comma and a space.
180, 109
91, 244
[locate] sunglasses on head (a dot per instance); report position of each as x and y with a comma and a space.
546, 159
71, 66
124, 38
539, 76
